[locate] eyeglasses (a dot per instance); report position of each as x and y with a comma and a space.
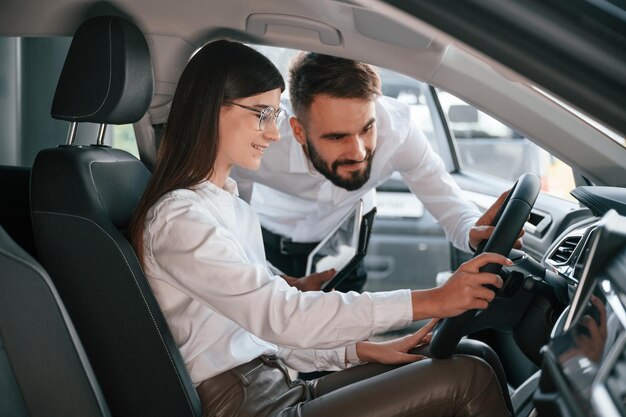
267, 116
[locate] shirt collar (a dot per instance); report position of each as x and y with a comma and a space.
230, 186
299, 162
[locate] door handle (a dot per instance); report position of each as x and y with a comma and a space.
379, 267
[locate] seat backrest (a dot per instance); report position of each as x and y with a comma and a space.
43, 368
82, 198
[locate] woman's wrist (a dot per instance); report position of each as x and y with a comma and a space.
352, 354
424, 303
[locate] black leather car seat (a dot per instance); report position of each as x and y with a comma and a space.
82, 198
43, 368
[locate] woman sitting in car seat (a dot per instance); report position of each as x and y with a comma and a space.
235, 323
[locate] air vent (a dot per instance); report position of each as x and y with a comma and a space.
565, 249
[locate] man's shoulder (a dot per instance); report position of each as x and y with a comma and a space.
392, 105
393, 119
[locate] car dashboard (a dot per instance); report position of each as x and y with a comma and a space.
584, 363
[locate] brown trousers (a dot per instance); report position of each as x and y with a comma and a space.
460, 386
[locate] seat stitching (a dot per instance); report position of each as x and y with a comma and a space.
140, 291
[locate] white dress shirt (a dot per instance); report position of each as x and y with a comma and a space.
294, 200
204, 259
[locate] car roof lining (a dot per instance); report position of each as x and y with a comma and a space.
435, 60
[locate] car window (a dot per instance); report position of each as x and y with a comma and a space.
123, 137
488, 146
29, 71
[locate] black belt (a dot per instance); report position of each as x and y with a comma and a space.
285, 245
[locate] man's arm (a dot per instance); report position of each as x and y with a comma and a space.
482, 229
425, 174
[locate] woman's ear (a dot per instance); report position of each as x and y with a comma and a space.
298, 130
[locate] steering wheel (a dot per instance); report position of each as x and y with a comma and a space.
508, 222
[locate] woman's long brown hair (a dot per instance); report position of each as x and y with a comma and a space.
220, 71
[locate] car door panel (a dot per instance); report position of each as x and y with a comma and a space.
407, 247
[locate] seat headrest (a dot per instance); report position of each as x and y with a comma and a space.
107, 76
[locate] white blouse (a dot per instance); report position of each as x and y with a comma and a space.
204, 259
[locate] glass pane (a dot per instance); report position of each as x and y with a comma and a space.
490, 147
124, 138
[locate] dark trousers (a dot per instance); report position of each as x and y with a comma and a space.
459, 386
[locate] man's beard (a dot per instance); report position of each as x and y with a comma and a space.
356, 179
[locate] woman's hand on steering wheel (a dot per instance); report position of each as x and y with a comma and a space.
465, 290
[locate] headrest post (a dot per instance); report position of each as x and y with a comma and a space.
71, 134
101, 131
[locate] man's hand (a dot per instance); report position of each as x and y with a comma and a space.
396, 351
482, 230
311, 282
465, 290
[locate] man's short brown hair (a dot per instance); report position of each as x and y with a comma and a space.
311, 74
